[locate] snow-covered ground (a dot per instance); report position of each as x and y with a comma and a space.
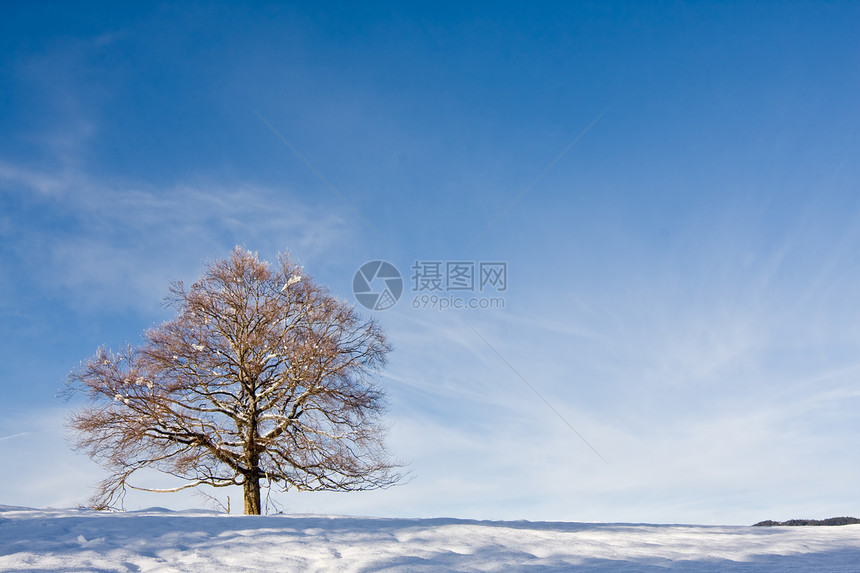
161, 540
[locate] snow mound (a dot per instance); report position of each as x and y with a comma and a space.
159, 540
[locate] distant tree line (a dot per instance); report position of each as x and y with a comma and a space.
828, 521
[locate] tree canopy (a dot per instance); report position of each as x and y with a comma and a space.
263, 377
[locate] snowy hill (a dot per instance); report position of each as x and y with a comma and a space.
162, 540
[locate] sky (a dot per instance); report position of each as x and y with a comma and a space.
672, 189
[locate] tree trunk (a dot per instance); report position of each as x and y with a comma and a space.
252, 496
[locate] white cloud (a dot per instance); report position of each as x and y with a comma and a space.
122, 244
706, 407
52, 474
24, 179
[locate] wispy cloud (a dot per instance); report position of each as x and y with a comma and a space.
22, 179
122, 243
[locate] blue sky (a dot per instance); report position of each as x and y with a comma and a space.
673, 186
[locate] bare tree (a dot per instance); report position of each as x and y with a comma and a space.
263, 376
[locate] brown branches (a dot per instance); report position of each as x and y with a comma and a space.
262, 375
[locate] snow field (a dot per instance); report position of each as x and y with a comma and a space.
200, 541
